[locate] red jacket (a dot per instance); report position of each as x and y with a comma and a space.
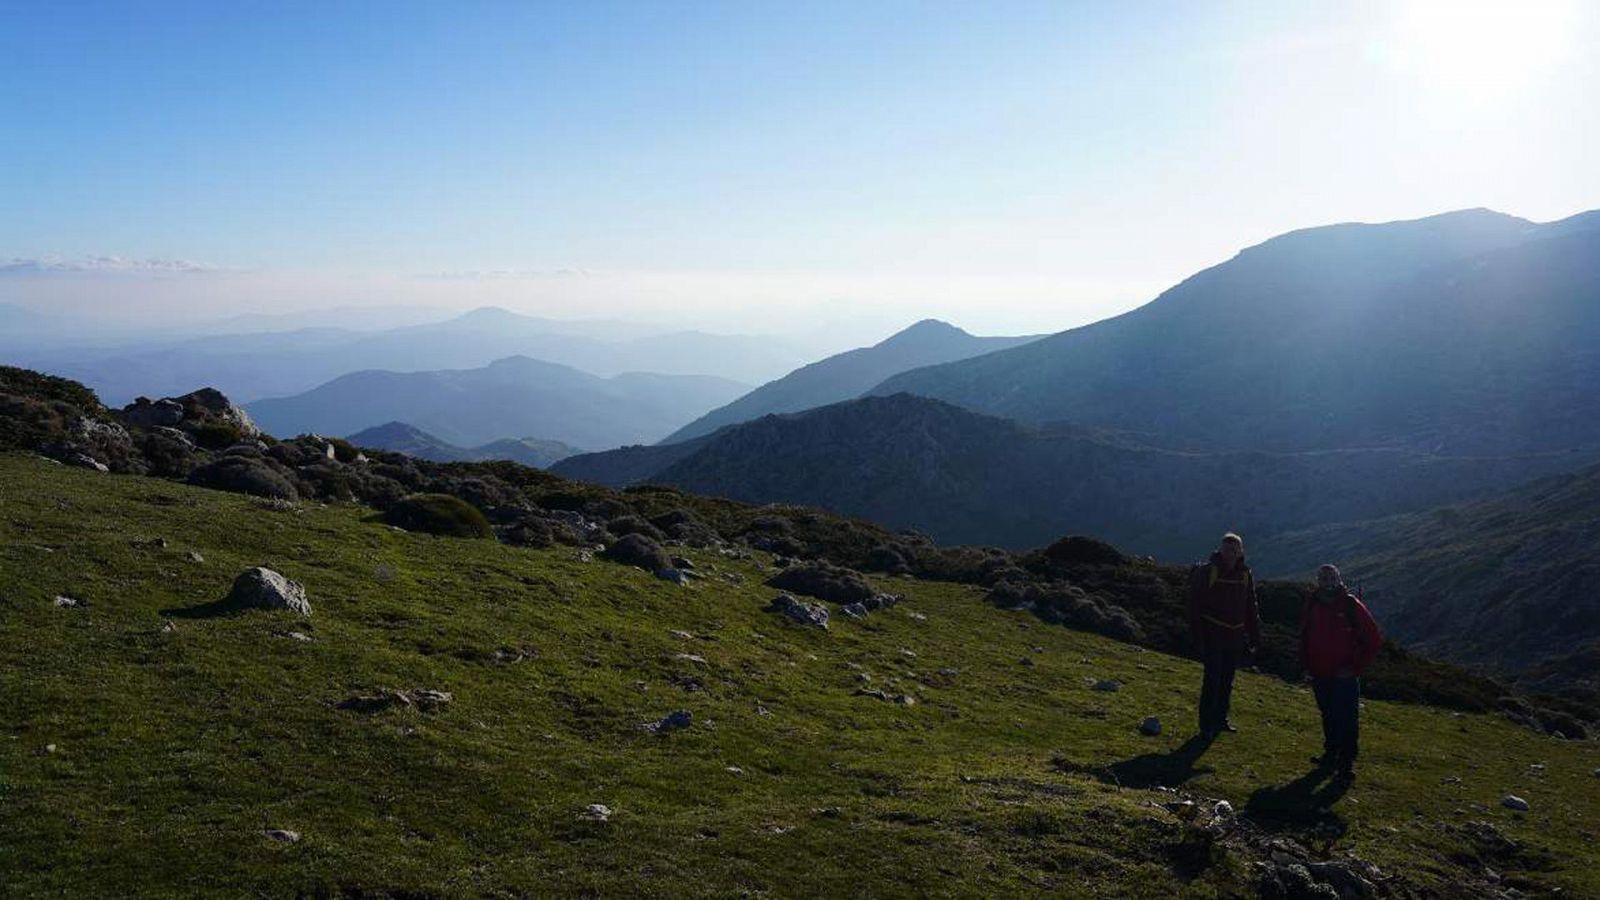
1337, 636
1223, 611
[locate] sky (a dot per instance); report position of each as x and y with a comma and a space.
753, 166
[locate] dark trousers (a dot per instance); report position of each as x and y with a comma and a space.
1216, 690
1339, 700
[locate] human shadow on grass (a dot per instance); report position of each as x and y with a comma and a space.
1306, 802
216, 609
1148, 770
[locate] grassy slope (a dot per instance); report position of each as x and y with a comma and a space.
175, 750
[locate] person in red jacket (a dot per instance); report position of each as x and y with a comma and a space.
1225, 619
1338, 640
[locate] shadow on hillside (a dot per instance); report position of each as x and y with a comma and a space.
213, 610
1149, 770
1306, 802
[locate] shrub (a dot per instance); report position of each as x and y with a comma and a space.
638, 550
1077, 550
216, 434
48, 389
824, 581
244, 475
630, 524
439, 514
1068, 605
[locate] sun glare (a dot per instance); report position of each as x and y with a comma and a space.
1483, 50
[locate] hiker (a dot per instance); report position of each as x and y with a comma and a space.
1225, 620
1338, 640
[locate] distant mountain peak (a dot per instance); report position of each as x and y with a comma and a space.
926, 329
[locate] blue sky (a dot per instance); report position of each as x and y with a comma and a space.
1011, 166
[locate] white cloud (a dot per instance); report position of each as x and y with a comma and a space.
506, 274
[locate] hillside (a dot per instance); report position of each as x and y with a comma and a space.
512, 396
1506, 582
848, 375
152, 758
1469, 333
962, 477
413, 441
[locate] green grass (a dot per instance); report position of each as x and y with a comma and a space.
175, 750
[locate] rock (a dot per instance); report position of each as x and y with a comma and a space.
735, 770
949, 672
825, 581
682, 562
63, 601
799, 610
638, 550
671, 722
690, 657
160, 414
194, 556
49, 748
1183, 809
682, 635
1151, 726
212, 403
85, 461
1222, 810
1108, 685
1342, 877
917, 617
371, 703
596, 812
1512, 801
262, 588
902, 699
676, 576
1596, 773
854, 610
299, 636
168, 626
1026, 661
282, 835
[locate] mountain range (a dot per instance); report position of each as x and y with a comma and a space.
848, 375
511, 396
413, 441
255, 365
965, 477
1465, 333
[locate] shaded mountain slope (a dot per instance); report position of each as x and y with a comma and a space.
969, 478
1510, 582
516, 395
847, 375
413, 441
1464, 333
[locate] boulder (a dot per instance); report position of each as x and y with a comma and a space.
854, 610
262, 588
676, 576
210, 403
824, 581
638, 550
1151, 726
1108, 685
85, 461
799, 610
143, 413
1513, 802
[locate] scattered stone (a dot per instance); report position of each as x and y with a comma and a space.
671, 722
509, 655
1513, 802
917, 617
1342, 877
1451, 779
949, 673
299, 636
638, 550
676, 576
49, 748
1183, 809
596, 812
1151, 726
583, 556
262, 588
1222, 810
371, 703
1596, 773
282, 835
827, 812
682, 562
735, 770
195, 557
1108, 685
799, 610
168, 626
908, 653
85, 461
1027, 661
690, 657
683, 635
65, 601
902, 699
854, 610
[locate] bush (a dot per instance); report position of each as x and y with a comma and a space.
638, 550
630, 524
216, 434
48, 389
1077, 550
824, 581
1068, 605
244, 475
439, 514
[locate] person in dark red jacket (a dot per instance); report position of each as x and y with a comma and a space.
1225, 619
1338, 640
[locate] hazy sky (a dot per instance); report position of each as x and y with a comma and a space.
1008, 166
